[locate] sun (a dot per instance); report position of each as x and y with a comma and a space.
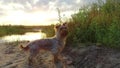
31, 18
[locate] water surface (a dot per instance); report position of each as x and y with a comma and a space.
29, 36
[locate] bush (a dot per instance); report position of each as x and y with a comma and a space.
96, 24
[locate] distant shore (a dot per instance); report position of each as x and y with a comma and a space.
15, 29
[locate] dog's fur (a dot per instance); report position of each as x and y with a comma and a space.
55, 44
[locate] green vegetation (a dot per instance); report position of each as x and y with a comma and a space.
48, 30
96, 24
8, 30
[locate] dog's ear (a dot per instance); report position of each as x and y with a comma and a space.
57, 26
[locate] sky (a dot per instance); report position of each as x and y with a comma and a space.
38, 12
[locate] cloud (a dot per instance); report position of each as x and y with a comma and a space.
8, 7
45, 5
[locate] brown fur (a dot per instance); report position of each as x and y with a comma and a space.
55, 44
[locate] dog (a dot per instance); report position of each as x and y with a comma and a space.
55, 44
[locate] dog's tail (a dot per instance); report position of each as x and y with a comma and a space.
24, 48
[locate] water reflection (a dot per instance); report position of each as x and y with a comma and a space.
29, 36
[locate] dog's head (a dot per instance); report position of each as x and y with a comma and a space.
62, 29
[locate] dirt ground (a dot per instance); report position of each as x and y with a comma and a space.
11, 56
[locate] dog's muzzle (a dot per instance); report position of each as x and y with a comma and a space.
64, 32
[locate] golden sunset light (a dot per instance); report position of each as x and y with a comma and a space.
37, 12
36, 18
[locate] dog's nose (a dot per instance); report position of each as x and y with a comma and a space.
64, 29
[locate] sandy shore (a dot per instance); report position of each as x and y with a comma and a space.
11, 56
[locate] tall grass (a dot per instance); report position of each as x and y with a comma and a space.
99, 23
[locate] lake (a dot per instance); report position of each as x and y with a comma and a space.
28, 36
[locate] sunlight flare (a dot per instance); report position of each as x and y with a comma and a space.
33, 18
